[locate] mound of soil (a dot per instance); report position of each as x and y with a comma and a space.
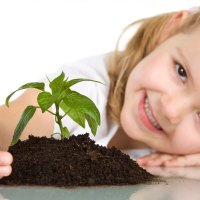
77, 161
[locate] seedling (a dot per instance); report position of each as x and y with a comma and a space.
77, 106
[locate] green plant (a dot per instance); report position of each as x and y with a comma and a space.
77, 106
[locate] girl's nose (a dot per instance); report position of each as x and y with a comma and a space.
174, 108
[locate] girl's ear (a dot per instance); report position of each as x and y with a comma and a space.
173, 23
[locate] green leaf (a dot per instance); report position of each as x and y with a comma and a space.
74, 114
57, 84
72, 82
78, 106
92, 124
45, 100
26, 116
36, 85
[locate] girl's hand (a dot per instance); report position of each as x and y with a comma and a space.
5, 163
169, 160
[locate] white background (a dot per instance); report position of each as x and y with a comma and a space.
38, 36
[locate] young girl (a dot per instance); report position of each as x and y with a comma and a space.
150, 97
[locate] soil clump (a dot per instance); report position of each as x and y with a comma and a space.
77, 161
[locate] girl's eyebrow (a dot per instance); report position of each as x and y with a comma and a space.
185, 63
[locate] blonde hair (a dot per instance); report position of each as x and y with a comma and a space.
145, 40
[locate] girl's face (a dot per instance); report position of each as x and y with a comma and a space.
162, 98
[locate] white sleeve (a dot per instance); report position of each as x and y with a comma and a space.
91, 68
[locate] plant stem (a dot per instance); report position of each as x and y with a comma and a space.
58, 120
51, 112
47, 110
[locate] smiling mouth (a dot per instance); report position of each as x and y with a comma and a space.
150, 115
147, 117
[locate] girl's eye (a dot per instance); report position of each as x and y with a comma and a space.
181, 72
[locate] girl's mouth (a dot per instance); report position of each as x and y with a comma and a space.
147, 116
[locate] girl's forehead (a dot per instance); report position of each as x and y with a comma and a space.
193, 39
189, 45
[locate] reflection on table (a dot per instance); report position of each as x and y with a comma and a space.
173, 189
181, 183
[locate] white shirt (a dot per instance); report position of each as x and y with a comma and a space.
91, 68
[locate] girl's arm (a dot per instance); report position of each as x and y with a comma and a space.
168, 160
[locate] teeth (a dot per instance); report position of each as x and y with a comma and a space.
149, 114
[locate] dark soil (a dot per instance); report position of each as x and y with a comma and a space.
77, 161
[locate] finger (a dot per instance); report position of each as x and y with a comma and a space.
160, 160
184, 161
143, 160
5, 158
156, 160
5, 171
